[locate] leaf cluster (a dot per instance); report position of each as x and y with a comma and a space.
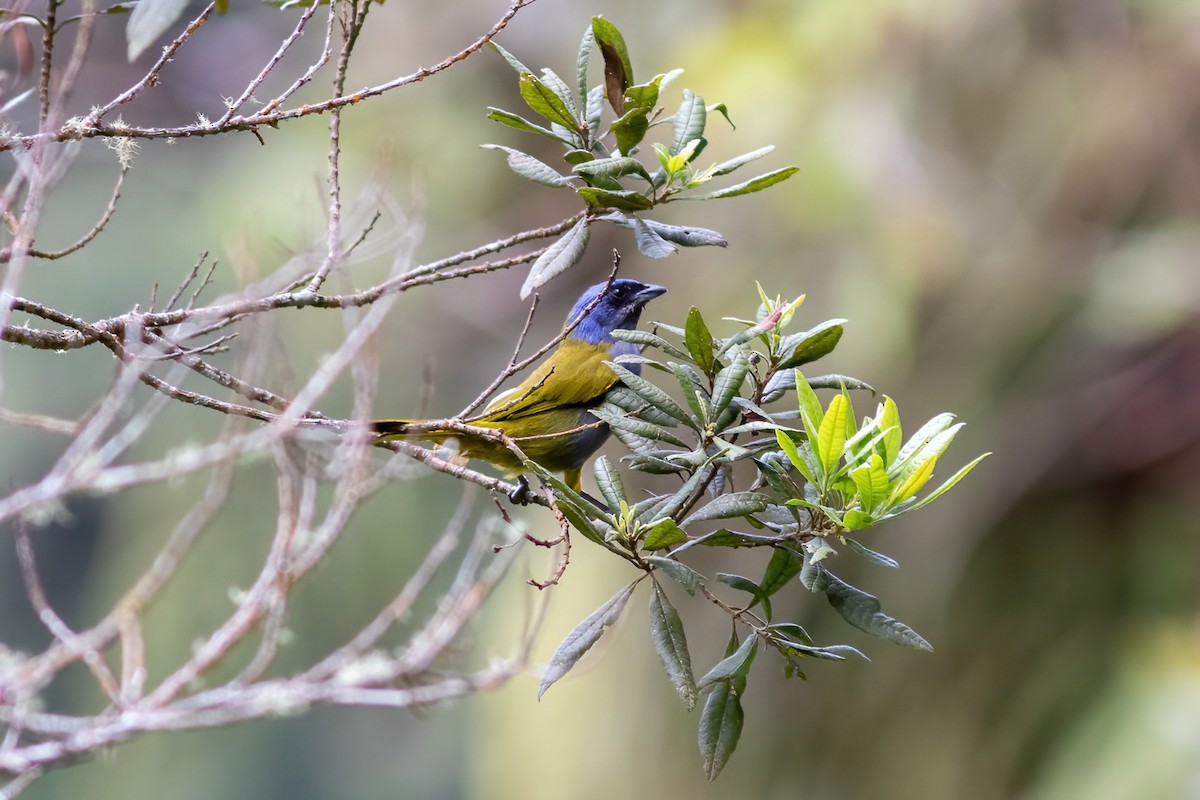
602, 129
707, 410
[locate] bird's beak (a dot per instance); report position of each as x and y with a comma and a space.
648, 293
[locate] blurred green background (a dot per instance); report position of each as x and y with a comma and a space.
1004, 200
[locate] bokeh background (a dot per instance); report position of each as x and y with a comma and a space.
1002, 196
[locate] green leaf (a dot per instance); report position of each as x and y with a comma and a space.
649, 243
872, 482
818, 342
728, 538
608, 480
582, 62
544, 101
889, 420
648, 339
666, 629
720, 728
855, 520
611, 169
690, 120
863, 611
683, 493
699, 341
594, 112
510, 58
587, 633
559, 257
749, 187
642, 428
783, 566
630, 129
520, 123
618, 71
723, 111
918, 440
150, 20
529, 167
726, 167
652, 394
958, 476
831, 436
728, 383
728, 506
620, 200
810, 471
871, 555
663, 534
559, 87
625, 400
580, 522
679, 572
734, 664
689, 236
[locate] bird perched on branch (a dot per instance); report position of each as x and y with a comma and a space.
547, 416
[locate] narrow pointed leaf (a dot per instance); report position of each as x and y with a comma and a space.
889, 420
783, 566
510, 58
749, 187
608, 480
690, 120
582, 62
557, 85
543, 100
611, 168
150, 19
618, 71
732, 665
649, 243
728, 383
810, 470
720, 728
520, 123
811, 345
958, 476
559, 257
642, 428
726, 167
621, 200
630, 129
699, 341
587, 633
831, 436
648, 339
652, 394
666, 629
728, 506
664, 533
871, 555
690, 236
863, 611
919, 439
529, 167
679, 572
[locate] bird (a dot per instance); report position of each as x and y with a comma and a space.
548, 416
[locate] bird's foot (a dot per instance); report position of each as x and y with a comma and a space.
519, 496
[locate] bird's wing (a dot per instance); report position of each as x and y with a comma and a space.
574, 375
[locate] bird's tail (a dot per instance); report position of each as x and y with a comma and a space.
395, 428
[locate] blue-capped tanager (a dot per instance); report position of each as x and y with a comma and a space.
548, 415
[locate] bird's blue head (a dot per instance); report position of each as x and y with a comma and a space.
619, 306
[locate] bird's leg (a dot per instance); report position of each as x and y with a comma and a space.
600, 504
520, 495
